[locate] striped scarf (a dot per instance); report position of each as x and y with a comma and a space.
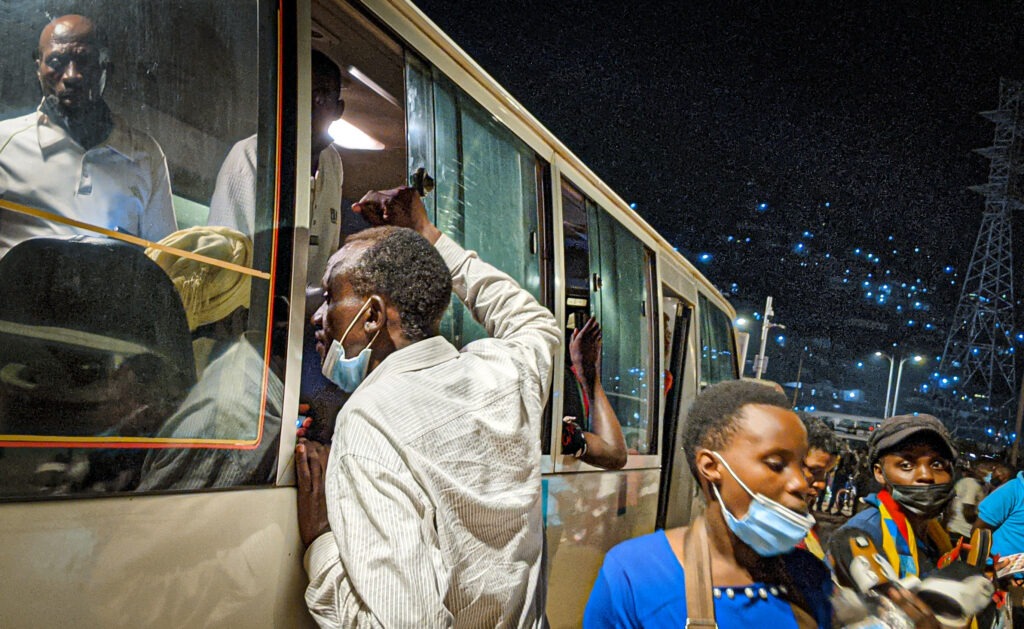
898, 541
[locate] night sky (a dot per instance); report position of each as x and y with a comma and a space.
819, 133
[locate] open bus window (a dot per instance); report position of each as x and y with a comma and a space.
606, 275
487, 184
126, 336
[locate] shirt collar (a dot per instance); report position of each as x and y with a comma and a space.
420, 355
52, 136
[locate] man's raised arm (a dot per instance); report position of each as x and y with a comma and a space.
507, 311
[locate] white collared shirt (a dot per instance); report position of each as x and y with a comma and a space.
121, 182
433, 481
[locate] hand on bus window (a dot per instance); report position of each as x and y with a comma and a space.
606, 446
311, 471
401, 207
585, 353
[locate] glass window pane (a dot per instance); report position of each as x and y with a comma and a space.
486, 193
717, 352
622, 263
129, 345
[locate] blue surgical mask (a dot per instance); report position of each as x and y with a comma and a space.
348, 373
769, 528
988, 478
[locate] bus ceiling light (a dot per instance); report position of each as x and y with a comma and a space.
370, 83
349, 136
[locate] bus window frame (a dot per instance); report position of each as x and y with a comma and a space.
274, 15
570, 464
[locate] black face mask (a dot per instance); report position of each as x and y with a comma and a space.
923, 500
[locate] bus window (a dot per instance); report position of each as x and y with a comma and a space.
627, 365
487, 184
126, 338
718, 362
608, 273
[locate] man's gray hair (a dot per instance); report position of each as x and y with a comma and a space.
403, 267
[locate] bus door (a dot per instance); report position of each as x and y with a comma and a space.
676, 482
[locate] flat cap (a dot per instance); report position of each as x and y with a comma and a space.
895, 430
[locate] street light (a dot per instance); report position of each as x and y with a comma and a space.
765, 326
888, 390
899, 377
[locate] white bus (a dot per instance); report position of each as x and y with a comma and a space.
85, 539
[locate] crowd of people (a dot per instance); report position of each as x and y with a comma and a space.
420, 506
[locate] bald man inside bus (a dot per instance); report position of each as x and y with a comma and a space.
73, 157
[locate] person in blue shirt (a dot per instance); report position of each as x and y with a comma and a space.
1003, 511
746, 448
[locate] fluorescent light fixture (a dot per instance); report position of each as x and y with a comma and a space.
349, 136
370, 83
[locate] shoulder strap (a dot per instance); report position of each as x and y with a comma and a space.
803, 619
700, 603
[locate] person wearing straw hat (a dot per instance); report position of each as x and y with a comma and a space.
225, 404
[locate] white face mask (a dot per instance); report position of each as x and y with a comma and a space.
348, 373
769, 527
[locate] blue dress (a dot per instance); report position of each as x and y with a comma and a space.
641, 584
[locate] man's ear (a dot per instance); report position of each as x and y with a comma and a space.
376, 315
708, 466
339, 109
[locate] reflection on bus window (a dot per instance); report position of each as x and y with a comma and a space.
75, 159
224, 404
94, 344
110, 141
718, 360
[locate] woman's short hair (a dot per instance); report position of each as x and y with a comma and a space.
712, 419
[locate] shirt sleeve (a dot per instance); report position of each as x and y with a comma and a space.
234, 197
392, 574
994, 509
507, 311
158, 219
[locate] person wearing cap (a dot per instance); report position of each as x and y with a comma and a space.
216, 299
73, 157
225, 403
912, 457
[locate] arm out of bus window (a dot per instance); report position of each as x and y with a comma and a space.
606, 446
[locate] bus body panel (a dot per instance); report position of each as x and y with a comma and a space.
222, 559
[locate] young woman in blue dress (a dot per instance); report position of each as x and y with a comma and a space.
737, 565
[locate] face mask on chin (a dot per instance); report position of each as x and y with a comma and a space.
348, 373
768, 527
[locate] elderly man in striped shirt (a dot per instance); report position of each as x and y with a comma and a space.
427, 513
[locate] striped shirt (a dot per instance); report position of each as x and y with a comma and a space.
433, 482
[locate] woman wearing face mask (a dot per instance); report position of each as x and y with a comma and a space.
737, 565
912, 458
